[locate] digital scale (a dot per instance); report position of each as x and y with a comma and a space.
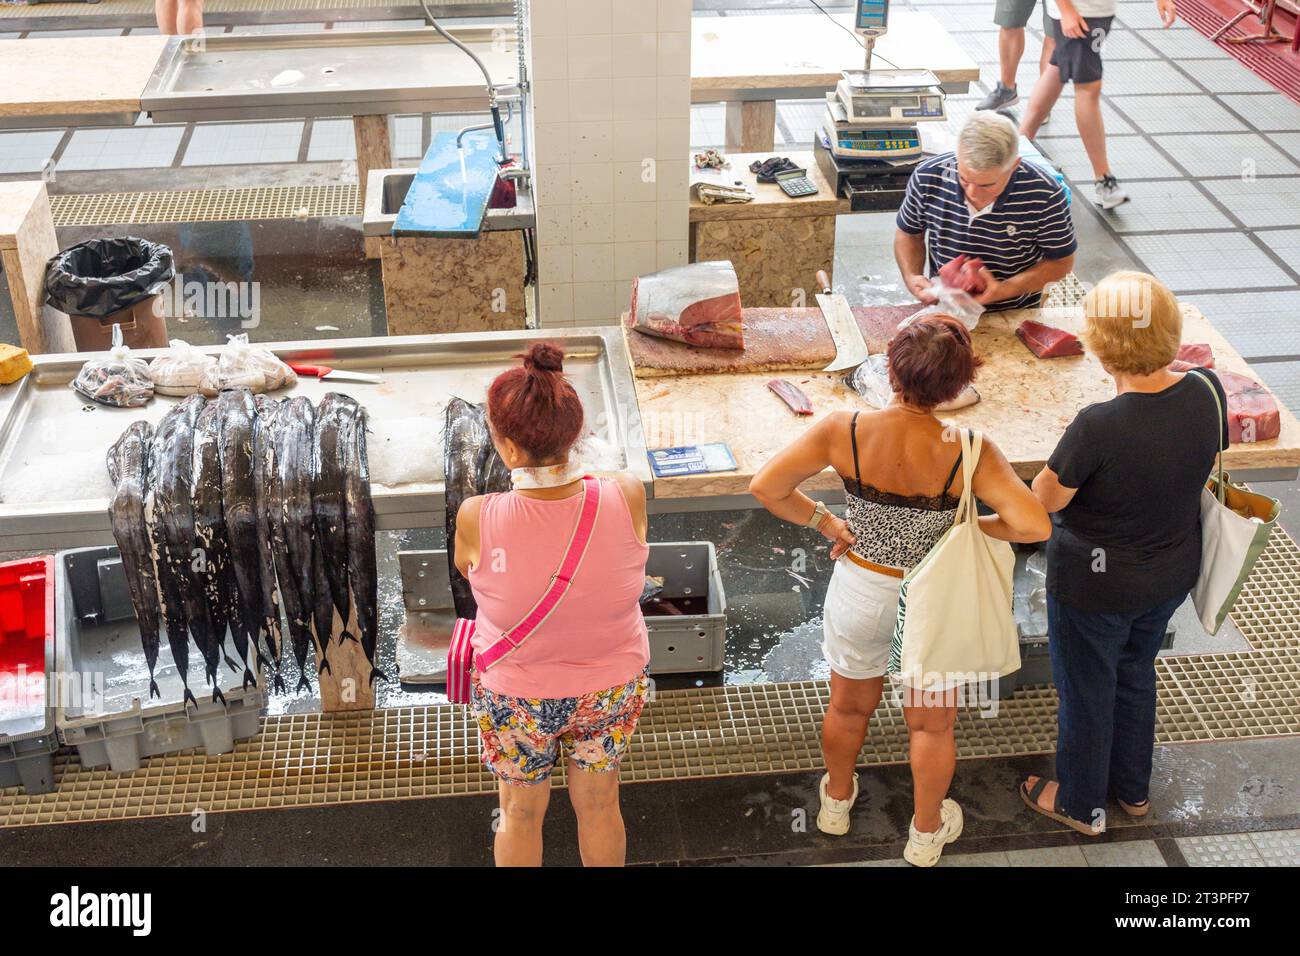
869, 141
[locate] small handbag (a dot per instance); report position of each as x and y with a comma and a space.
1235, 526
461, 659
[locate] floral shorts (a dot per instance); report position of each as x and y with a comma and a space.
522, 736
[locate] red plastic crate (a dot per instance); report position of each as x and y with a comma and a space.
26, 614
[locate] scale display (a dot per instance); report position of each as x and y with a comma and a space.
871, 17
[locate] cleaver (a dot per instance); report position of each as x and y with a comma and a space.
850, 347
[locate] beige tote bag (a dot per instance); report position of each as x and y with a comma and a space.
955, 623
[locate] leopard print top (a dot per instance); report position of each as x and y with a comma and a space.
895, 531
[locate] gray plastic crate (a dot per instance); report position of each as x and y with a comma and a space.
687, 643
27, 735
102, 701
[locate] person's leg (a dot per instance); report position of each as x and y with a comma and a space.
1092, 130
1047, 90
189, 17
1084, 648
164, 11
519, 828
602, 840
933, 755
1135, 704
844, 728
1011, 47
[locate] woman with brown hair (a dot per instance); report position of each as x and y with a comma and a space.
577, 683
902, 481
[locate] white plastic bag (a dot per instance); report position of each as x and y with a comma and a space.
243, 365
179, 370
117, 379
960, 305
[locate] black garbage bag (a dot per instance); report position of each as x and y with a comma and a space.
101, 276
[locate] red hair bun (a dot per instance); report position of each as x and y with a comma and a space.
534, 405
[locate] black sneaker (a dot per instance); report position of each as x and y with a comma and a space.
1000, 97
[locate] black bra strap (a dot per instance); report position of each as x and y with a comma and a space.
853, 437
956, 464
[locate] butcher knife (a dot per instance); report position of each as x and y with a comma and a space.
325, 373
850, 347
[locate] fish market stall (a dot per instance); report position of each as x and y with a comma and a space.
1025, 404
54, 488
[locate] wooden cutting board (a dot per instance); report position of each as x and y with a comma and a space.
776, 340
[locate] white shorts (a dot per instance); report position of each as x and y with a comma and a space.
858, 623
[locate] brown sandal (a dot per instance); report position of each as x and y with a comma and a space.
1031, 795
1136, 809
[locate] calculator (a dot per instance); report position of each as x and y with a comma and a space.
795, 183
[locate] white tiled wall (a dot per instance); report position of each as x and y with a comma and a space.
612, 114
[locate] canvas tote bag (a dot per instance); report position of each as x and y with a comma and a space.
955, 623
1235, 525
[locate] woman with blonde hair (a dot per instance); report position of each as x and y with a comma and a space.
901, 468
1124, 487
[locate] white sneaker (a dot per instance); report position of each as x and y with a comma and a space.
1109, 192
833, 817
924, 849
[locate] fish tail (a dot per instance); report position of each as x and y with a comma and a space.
217, 696
303, 683
230, 662
249, 678
279, 683
345, 636
190, 699
153, 689
325, 667
376, 672
262, 660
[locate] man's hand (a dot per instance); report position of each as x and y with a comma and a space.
1168, 14
919, 286
1073, 25
994, 289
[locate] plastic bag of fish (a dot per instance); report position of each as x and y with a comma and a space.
180, 369
871, 381
241, 364
116, 379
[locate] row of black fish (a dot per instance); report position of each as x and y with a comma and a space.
237, 509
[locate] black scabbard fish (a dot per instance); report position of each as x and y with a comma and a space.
128, 467
295, 565
332, 417
236, 415
171, 523
266, 428
359, 515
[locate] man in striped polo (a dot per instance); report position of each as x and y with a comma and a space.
984, 201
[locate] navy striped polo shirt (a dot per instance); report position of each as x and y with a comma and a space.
1028, 223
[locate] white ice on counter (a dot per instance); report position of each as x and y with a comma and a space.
66, 476
407, 451
596, 454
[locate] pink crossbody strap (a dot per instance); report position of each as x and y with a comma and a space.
514, 637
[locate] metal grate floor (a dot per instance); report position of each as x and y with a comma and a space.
420, 752
206, 205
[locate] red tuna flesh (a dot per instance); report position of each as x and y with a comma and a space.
1047, 342
963, 273
1193, 355
792, 395
1252, 412
698, 304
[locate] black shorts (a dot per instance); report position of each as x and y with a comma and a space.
1079, 60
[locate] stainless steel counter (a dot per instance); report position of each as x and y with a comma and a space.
54, 486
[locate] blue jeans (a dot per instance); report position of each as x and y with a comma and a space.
1104, 669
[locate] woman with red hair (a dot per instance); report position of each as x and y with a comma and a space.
577, 683
902, 483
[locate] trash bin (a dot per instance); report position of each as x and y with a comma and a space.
103, 282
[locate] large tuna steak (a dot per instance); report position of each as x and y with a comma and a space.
698, 304
1047, 342
1252, 412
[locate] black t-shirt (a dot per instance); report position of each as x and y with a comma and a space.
1131, 536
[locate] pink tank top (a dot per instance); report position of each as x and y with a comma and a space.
596, 638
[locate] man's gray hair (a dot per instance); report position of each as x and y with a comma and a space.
988, 141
